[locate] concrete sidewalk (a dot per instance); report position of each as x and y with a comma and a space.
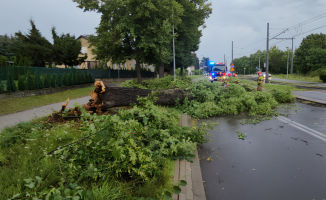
190, 172
27, 115
317, 96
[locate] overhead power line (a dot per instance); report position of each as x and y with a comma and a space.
292, 27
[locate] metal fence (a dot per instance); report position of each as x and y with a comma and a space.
96, 73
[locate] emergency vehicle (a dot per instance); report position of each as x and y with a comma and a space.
217, 69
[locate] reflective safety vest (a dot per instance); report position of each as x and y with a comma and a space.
260, 79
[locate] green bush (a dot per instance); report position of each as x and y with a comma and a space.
1, 87
90, 78
41, 81
78, 77
322, 76
70, 78
74, 79
11, 86
21, 83
283, 96
47, 80
30, 81
65, 80
53, 80
83, 77
59, 80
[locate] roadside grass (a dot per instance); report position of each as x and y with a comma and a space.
272, 86
13, 104
195, 76
23, 151
299, 77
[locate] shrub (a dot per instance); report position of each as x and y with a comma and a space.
90, 78
70, 79
59, 80
11, 86
322, 76
30, 81
21, 83
53, 80
1, 87
65, 80
283, 96
47, 80
75, 78
41, 82
79, 79
84, 79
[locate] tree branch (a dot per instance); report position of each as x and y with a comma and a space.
75, 141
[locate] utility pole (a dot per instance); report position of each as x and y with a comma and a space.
173, 49
232, 53
267, 75
287, 66
259, 60
250, 64
292, 58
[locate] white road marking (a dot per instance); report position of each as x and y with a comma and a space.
312, 132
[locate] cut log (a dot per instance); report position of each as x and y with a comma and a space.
104, 97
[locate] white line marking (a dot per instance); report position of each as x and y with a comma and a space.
304, 127
311, 133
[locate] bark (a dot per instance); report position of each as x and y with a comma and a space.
161, 70
181, 71
172, 71
138, 71
105, 97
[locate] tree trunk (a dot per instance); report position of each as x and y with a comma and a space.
161, 70
138, 71
172, 71
105, 97
181, 71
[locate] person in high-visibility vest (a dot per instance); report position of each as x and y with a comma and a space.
260, 81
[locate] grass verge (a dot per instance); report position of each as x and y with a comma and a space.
195, 76
13, 104
299, 77
272, 86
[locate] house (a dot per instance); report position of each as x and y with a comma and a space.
190, 69
90, 63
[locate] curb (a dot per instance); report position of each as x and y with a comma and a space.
189, 172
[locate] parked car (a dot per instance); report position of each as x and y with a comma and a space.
264, 74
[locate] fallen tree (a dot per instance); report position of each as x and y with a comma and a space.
104, 97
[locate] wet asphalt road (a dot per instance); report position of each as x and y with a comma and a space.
276, 160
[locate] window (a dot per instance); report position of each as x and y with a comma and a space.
115, 66
83, 50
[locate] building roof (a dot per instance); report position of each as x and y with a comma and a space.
83, 36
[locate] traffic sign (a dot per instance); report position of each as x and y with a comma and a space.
232, 69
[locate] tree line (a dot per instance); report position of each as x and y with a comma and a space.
308, 57
34, 50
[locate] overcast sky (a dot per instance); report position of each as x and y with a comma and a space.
242, 21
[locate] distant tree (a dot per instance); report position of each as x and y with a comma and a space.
66, 50
34, 46
312, 47
7, 44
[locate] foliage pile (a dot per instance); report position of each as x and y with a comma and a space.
213, 99
167, 82
132, 147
